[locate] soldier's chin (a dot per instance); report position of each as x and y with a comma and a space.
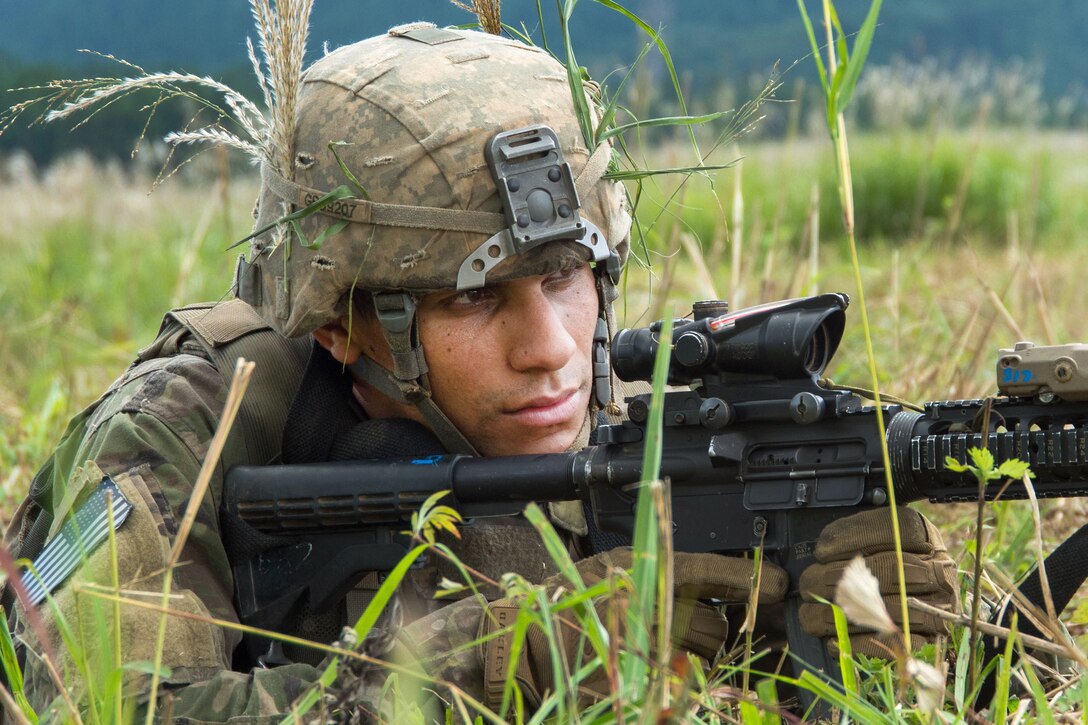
557, 441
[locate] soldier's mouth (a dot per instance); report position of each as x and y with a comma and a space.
549, 410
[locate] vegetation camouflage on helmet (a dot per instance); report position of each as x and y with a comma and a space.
409, 115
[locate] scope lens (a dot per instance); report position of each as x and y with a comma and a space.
816, 357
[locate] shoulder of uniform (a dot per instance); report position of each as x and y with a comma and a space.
219, 323
173, 389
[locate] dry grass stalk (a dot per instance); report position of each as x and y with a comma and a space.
999, 305
88, 93
212, 135
766, 284
968, 169
982, 351
917, 217
243, 370
737, 221
988, 629
1040, 558
1041, 305
702, 271
722, 237
283, 31
812, 233
661, 297
893, 303
962, 336
11, 707
282, 27
1000, 583
487, 12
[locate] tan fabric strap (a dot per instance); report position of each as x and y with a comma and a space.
362, 211
229, 330
594, 169
409, 392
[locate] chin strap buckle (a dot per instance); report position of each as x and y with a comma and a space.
602, 372
396, 311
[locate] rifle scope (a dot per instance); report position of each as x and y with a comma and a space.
788, 340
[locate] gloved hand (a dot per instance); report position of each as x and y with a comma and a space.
697, 627
930, 575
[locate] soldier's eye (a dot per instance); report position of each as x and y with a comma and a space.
470, 298
564, 277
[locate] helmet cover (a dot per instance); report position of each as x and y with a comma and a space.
409, 115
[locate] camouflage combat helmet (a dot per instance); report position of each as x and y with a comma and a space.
427, 126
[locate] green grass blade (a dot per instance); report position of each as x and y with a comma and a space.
964, 656
665, 56
640, 613
1000, 708
862, 42
608, 113
768, 695
813, 43
846, 652
750, 714
841, 48
651, 455
1038, 693
574, 74
12, 673
340, 192
554, 545
362, 627
849, 704
663, 121
543, 30
635, 174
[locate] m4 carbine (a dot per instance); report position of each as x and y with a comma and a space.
758, 452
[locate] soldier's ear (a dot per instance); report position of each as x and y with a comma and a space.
335, 338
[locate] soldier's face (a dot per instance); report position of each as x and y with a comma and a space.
510, 364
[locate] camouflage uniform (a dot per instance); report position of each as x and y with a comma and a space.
415, 111
400, 103
150, 432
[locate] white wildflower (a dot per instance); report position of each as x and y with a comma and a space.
858, 594
929, 684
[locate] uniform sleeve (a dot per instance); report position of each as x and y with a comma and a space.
150, 435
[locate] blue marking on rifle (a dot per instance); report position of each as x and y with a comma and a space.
79, 536
428, 461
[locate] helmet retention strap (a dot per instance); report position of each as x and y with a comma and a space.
603, 385
407, 383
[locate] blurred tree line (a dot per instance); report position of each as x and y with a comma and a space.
936, 57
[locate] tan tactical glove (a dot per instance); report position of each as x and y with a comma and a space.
930, 575
697, 628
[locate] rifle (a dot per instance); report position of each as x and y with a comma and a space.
759, 451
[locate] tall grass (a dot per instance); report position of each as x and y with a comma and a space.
94, 261
947, 329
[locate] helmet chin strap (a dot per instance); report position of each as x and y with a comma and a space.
407, 382
411, 393
607, 276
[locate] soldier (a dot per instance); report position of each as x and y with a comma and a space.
426, 321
